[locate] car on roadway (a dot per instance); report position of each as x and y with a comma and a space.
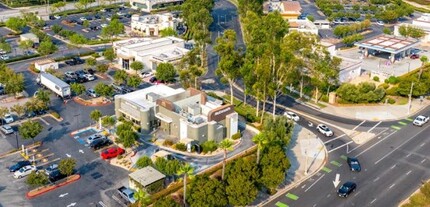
6, 129
292, 116
111, 152
354, 164
51, 168
89, 77
94, 137
346, 189
91, 92
24, 171
323, 129
8, 118
19, 165
100, 143
414, 56
420, 120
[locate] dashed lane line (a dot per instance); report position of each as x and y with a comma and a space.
280, 204
395, 127
326, 169
336, 163
292, 196
402, 123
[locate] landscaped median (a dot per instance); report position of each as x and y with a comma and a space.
44, 189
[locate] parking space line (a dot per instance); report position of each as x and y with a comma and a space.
395, 127
280, 204
336, 163
326, 169
403, 123
44, 121
292, 196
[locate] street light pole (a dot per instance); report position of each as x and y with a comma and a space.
16, 137
410, 98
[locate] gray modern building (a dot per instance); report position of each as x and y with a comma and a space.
190, 115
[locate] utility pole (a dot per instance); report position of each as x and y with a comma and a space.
410, 98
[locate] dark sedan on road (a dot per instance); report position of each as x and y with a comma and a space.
346, 189
19, 165
354, 164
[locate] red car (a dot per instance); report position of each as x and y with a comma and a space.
112, 152
415, 56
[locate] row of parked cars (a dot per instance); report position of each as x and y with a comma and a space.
23, 168
99, 141
80, 76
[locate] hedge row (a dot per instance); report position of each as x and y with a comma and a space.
22, 58
70, 56
91, 9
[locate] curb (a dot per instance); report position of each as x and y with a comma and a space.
48, 188
82, 102
11, 152
293, 185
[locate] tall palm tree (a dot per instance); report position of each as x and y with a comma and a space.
142, 198
260, 140
225, 145
185, 171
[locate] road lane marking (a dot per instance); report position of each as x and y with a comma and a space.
406, 141
340, 146
303, 186
422, 161
377, 135
328, 195
280, 204
409, 155
409, 119
391, 186
403, 123
373, 201
374, 126
357, 193
292, 196
421, 145
376, 179
375, 144
409, 172
395, 127
314, 183
343, 157
392, 167
326, 169
335, 163
335, 138
358, 125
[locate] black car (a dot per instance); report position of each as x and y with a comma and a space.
31, 114
346, 189
99, 143
19, 165
55, 176
80, 22
89, 71
80, 73
153, 79
97, 16
51, 18
73, 21
70, 80
353, 163
40, 112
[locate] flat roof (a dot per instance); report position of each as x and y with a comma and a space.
388, 43
139, 97
44, 61
56, 80
146, 176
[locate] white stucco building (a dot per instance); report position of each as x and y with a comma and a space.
302, 25
422, 22
151, 5
151, 25
150, 52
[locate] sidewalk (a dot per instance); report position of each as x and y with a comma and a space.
306, 151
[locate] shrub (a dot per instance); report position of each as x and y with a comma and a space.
167, 143
55, 114
236, 136
391, 101
392, 80
324, 98
37, 179
384, 86
95, 55
209, 146
181, 147
361, 93
376, 78
143, 162
392, 91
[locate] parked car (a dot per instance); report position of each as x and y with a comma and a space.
19, 165
51, 168
80, 22
292, 116
381, 23
89, 77
118, 88
69, 80
74, 61
92, 93
56, 175
89, 71
40, 112
103, 25
420, 120
30, 114
346, 189
4, 57
57, 16
415, 56
95, 137
111, 152
323, 129
354, 164
51, 18
146, 74
8, 118
6, 129
100, 143
97, 16
70, 74
83, 18
153, 79
24, 171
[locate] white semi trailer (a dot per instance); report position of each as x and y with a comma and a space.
55, 84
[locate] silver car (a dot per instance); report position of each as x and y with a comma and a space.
95, 137
6, 129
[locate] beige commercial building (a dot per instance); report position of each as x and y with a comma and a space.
151, 25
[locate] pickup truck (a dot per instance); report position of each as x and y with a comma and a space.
421, 120
74, 61
127, 194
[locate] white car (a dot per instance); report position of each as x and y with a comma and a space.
146, 74
6, 129
103, 10
92, 93
4, 57
323, 129
24, 171
95, 137
8, 119
381, 23
120, 14
57, 16
83, 18
89, 77
420, 120
103, 25
292, 116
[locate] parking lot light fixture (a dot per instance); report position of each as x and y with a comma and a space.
16, 137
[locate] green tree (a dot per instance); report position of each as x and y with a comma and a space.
204, 191
30, 129
37, 179
241, 187
86, 24
127, 138
56, 28
230, 59
44, 96
108, 121
103, 89
120, 76
274, 164
91, 61
78, 40
67, 166
278, 130
166, 201
95, 115
109, 54
134, 81
387, 31
411, 31
4, 46
103, 68
185, 171
15, 83
424, 59
78, 88
168, 32
142, 198
46, 47
165, 72
260, 140
136, 66
114, 28
15, 23
311, 18
143, 161
226, 145
18, 109
26, 44
3, 112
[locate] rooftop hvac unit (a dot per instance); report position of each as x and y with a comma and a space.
194, 109
152, 97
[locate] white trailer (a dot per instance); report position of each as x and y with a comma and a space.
56, 85
43, 65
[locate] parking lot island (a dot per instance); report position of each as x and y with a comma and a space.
47, 188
